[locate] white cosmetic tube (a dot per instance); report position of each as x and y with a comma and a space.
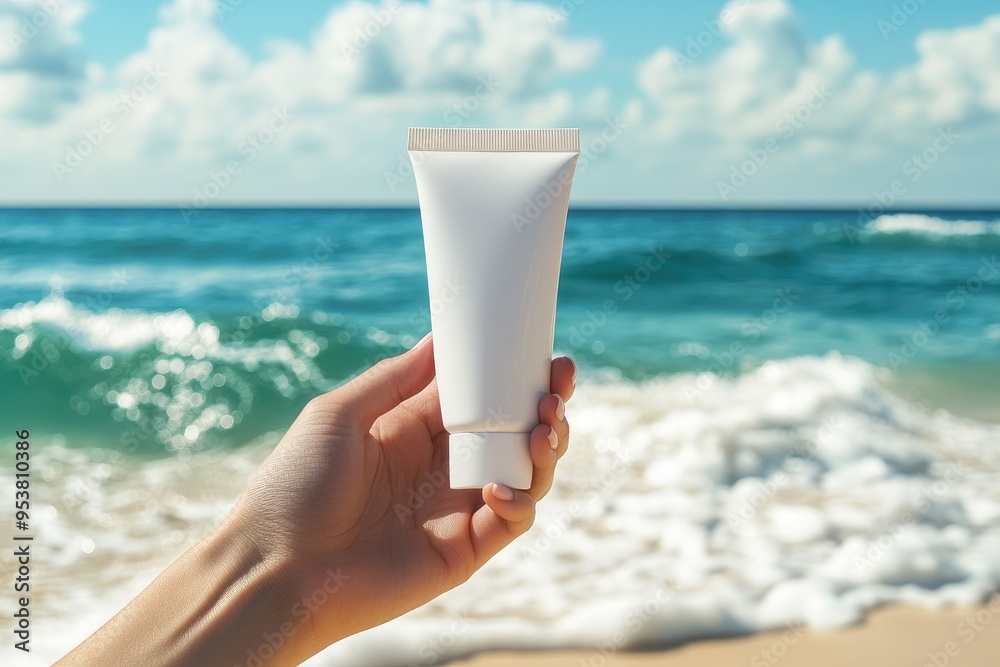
493, 205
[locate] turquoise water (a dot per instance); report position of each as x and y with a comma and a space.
765, 397
96, 304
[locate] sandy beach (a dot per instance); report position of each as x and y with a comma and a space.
901, 636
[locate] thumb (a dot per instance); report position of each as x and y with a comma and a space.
387, 384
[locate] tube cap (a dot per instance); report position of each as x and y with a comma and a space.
478, 459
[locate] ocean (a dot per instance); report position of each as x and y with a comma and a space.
783, 417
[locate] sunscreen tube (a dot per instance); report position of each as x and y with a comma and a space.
493, 206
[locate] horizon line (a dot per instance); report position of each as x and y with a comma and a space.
587, 206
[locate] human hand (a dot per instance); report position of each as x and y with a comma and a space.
358, 489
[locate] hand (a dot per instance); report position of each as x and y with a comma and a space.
349, 523
356, 494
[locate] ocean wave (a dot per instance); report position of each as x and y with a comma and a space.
118, 330
110, 523
801, 492
701, 506
917, 224
171, 380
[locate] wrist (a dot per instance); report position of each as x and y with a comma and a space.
223, 602
300, 595
256, 590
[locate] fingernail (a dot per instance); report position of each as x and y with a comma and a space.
560, 408
553, 439
503, 492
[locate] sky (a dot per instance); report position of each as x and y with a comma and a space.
746, 103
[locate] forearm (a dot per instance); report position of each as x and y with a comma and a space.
221, 603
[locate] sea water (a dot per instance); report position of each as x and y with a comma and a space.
783, 417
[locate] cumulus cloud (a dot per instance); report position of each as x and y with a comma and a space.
767, 71
397, 52
449, 44
41, 62
956, 79
167, 117
767, 116
368, 67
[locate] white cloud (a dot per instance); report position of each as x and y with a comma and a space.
369, 70
956, 80
767, 70
448, 44
41, 63
762, 87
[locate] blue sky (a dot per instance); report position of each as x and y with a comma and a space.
791, 103
115, 28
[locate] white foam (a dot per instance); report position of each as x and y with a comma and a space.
139, 517
687, 507
927, 225
801, 493
181, 349
118, 330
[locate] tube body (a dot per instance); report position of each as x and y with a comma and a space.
493, 206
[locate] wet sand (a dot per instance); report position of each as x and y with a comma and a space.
897, 636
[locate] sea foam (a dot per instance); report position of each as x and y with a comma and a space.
918, 224
801, 492
697, 506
